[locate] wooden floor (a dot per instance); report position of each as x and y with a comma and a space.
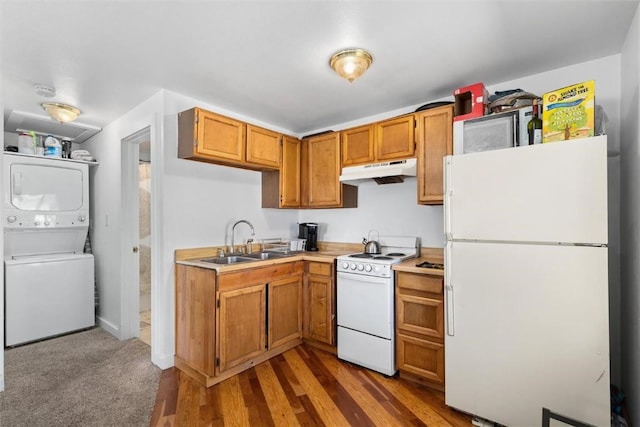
306, 387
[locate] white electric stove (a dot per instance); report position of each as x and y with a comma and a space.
365, 301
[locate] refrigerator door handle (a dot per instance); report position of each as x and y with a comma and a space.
447, 196
448, 286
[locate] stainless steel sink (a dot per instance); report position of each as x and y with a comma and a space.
264, 255
227, 260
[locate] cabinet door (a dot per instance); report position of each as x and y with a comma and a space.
395, 138
422, 315
319, 309
263, 147
285, 310
421, 357
358, 145
435, 140
324, 188
242, 325
196, 317
290, 173
220, 136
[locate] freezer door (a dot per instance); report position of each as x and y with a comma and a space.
555, 192
527, 328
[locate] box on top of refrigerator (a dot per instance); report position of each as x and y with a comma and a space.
568, 113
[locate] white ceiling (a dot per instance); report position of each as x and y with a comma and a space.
268, 60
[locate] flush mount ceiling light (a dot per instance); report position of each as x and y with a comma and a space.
351, 63
61, 112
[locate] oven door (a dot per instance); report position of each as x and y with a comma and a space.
365, 304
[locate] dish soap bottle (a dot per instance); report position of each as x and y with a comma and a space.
52, 147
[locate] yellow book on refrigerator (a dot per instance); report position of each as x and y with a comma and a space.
568, 113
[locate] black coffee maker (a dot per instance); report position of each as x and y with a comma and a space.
309, 231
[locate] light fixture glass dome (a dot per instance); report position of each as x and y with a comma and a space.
61, 112
351, 63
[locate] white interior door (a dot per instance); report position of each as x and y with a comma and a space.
527, 328
554, 192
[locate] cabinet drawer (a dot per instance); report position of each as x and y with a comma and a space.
420, 315
420, 282
321, 268
421, 357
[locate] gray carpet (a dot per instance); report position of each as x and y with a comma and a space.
88, 378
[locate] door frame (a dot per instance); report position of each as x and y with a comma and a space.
130, 265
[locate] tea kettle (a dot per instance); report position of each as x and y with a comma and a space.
371, 246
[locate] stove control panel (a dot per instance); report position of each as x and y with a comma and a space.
365, 268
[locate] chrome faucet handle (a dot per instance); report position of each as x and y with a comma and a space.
249, 246
221, 252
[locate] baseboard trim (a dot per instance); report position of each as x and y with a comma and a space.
109, 327
162, 361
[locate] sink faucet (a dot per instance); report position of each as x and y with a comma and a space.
233, 234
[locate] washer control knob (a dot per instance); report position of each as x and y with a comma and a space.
47, 223
11, 219
36, 223
368, 268
81, 218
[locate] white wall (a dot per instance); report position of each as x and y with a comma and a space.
630, 214
106, 208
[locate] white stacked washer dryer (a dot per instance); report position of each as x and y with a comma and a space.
49, 280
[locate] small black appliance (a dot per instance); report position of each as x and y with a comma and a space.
309, 231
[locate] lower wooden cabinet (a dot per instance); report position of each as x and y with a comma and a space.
420, 328
242, 334
227, 323
320, 305
285, 310
196, 319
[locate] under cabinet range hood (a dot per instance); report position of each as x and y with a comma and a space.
383, 173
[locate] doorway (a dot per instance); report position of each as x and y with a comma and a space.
144, 245
137, 197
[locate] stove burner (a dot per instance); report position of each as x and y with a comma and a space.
361, 256
395, 254
382, 257
428, 264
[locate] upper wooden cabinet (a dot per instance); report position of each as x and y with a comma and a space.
321, 174
214, 138
386, 140
282, 189
395, 138
434, 141
263, 147
358, 145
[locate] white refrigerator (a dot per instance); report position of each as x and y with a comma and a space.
526, 283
